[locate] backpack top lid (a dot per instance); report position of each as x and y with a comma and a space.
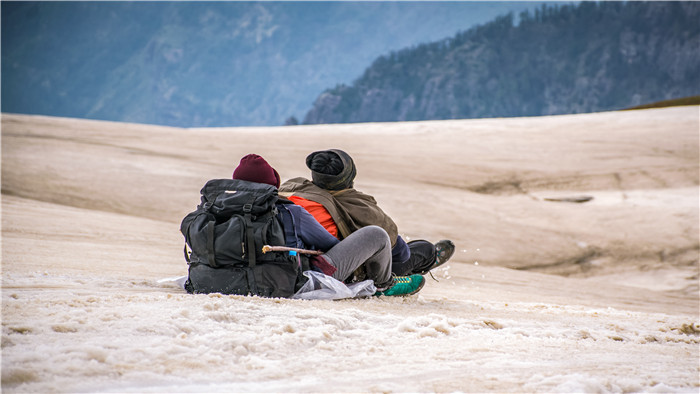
226, 197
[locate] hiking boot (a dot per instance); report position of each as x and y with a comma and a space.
443, 251
404, 286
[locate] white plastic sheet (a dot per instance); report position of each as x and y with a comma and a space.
318, 287
178, 281
324, 287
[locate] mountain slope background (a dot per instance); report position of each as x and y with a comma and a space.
196, 64
558, 59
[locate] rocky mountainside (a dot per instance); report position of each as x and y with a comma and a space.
196, 64
556, 60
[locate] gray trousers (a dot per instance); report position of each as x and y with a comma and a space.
370, 246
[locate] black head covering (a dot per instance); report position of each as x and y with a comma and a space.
331, 169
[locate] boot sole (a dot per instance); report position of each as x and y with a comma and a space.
416, 290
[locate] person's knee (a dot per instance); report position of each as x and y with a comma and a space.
377, 234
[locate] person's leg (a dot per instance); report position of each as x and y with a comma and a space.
423, 255
370, 246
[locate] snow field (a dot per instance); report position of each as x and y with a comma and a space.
90, 220
123, 335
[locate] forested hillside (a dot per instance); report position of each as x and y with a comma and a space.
194, 64
555, 60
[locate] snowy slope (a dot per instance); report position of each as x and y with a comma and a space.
90, 218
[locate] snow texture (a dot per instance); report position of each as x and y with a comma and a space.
540, 296
141, 336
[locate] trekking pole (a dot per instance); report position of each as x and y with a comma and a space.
268, 248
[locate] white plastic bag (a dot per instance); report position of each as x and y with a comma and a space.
324, 287
178, 281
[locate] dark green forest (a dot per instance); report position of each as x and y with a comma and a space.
558, 59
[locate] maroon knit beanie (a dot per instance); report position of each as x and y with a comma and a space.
254, 168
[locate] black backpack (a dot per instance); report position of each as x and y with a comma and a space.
225, 236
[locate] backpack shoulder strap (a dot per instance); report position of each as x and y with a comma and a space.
289, 224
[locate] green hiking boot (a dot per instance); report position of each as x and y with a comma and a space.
404, 286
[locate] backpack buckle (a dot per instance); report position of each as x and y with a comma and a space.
247, 208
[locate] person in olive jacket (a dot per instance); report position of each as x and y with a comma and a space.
331, 198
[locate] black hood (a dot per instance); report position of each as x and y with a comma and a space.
331, 169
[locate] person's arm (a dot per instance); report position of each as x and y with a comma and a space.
311, 232
400, 252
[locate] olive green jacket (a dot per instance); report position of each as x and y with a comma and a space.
349, 208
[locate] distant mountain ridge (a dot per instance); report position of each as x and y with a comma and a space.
199, 64
559, 59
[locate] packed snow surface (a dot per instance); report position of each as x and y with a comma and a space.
83, 333
540, 296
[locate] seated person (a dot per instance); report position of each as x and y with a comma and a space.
369, 247
342, 210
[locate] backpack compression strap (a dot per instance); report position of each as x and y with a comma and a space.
210, 244
250, 237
